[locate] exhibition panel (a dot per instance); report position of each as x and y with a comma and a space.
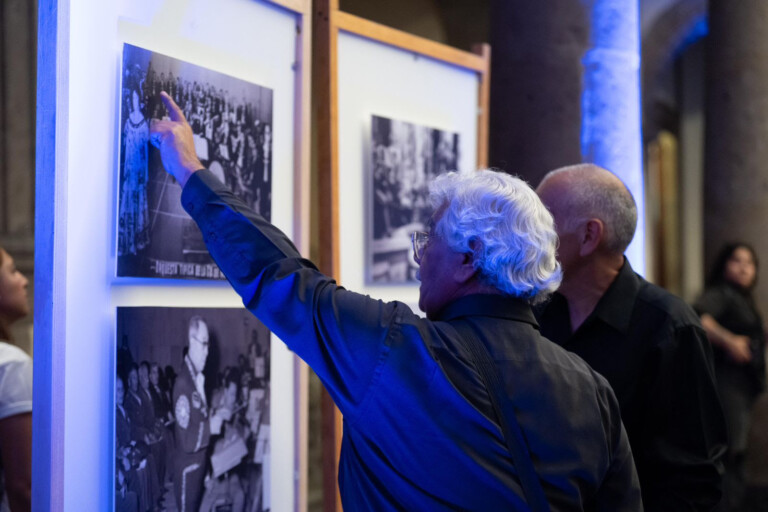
125, 286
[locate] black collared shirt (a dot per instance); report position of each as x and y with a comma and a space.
419, 432
652, 349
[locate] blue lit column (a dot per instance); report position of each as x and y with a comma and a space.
565, 87
610, 129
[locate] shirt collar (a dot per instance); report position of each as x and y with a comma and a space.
493, 305
616, 305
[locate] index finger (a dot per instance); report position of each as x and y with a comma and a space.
173, 109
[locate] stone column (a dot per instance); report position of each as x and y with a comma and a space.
611, 133
736, 153
565, 88
536, 84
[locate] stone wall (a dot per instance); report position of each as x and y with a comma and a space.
735, 171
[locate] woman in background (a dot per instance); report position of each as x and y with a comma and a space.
735, 329
15, 394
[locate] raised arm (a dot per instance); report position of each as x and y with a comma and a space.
342, 335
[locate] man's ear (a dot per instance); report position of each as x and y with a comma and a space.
591, 236
467, 270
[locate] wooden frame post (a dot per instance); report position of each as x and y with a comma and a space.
328, 21
325, 88
301, 224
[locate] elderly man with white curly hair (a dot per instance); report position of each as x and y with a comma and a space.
468, 409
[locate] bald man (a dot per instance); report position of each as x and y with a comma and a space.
648, 343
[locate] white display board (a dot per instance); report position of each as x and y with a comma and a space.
81, 47
378, 79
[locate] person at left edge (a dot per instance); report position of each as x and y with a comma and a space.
15, 394
420, 432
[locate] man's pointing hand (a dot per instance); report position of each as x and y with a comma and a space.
175, 141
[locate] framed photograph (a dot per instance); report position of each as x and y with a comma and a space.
231, 121
192, 410
405, 158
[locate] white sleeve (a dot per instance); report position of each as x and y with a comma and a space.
15, 381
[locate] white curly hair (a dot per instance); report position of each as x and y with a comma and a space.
501, 219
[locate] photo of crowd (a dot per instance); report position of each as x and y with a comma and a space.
192, 402
405, 158
231, 120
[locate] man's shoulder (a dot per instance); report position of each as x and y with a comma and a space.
552, 353
653, 300
560, 362
571, 379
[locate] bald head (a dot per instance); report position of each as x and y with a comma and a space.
585, 191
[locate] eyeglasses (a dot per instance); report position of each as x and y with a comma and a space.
419, 239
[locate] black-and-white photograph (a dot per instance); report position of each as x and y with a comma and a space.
405, 158
191, 410
231, 121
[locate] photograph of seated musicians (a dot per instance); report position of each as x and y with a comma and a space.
175, 457
231, 123
233, 128
420, 431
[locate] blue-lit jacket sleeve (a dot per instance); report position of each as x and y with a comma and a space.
342, 335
